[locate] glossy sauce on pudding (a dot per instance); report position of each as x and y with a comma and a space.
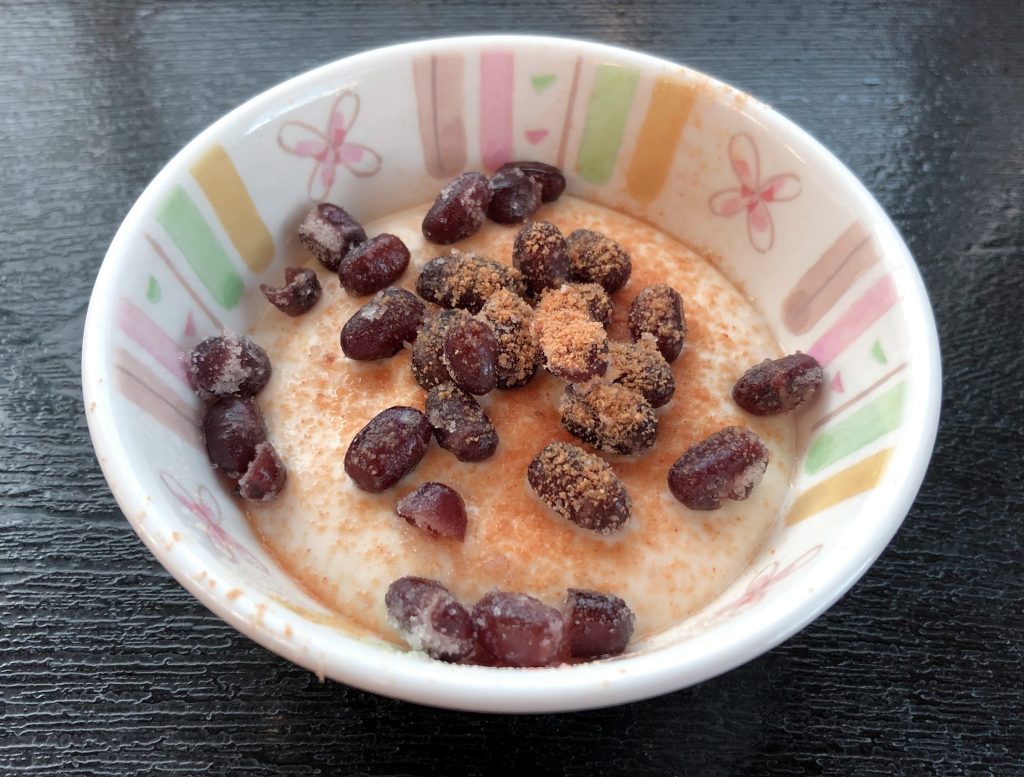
346, 546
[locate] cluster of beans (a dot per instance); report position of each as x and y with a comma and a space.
507, 629
556, 301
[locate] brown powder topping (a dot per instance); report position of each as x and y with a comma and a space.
658, 310
542, 255
594, 258
610, 417
428, 367
510, 318
590, 299
574, 347
466, 281
580, 487
640, 367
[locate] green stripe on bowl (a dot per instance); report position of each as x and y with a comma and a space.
607, 113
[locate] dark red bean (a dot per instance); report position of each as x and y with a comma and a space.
550, 178
373, 265
232, 429
518, 630
300, 292
597, 624
641, 367
328, 231
265, 477
460, 425
429, 618
778, 385
380, 327
658, 310
510, 318
436, 509
459, 209
610, 417
228, 365
515, 197
387, 448
471, 355
580, 487
428, 367
461, 280
727, 465
595, 258
541, 254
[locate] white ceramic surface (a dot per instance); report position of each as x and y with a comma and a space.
380, 131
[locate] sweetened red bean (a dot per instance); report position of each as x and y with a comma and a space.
373, 265
511, 319
541, 254
461, 280
778, 385
460, 425
228, 365
328, 231
428, 367
436, 509
300, 292
232, 429
459, 209
265, 477
727, 465
470, 353
597, 624
658, 311
517, 630
515, 197
580, 487
610, 417
382, 326
550, 178
595, 258
429, 618
640, 367
387, 448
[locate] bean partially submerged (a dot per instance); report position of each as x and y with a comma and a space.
429, 618
387, 448
778, 385
727, 465
436, 509
514, 629
265, 477
597, 624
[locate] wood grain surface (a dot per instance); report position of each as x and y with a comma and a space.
110, 668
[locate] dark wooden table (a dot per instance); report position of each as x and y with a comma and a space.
108, 667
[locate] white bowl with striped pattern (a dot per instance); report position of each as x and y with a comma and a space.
704, 162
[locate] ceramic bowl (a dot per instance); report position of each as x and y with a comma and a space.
795, 230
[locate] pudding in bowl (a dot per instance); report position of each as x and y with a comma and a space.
345, 545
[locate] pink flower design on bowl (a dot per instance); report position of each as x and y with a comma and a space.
753, 195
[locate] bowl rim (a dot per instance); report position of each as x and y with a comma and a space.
418, 679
